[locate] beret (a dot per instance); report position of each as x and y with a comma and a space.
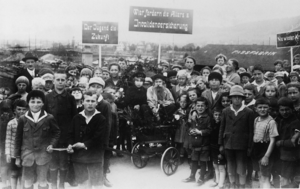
97, 80
22, 79
215, 75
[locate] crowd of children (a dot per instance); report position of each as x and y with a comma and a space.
232, 122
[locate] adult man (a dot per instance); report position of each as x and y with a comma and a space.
30, 72
62, 106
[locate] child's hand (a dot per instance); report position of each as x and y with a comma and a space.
264, 161
137, 107
8, 158
18, 162
221, 149
50, 149
70, 149
197, 132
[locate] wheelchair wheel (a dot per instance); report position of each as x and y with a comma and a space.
170, 161
141, 160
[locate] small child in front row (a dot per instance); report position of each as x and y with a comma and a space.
199, 131
181, 115
218, 158
265, 131
20, 107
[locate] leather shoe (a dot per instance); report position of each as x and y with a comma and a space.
189, 179
200, 182
107, 183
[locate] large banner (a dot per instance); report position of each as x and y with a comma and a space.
160, 20
290, 39
100, 32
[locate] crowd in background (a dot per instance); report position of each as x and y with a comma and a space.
234, 121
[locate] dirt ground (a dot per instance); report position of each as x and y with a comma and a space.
124, 175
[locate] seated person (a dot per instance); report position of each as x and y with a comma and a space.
160, 98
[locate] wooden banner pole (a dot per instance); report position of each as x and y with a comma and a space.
100, 57
292, 62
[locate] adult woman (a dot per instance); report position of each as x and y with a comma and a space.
232, 78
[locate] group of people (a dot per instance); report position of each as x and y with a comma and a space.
232, 121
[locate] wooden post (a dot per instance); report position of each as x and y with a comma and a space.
159, 49
292, 62
100, 57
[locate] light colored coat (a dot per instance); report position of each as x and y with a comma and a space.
152, 97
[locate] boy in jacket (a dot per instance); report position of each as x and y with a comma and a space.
37, 134
288, 129
200, 130
235, 136
86, 142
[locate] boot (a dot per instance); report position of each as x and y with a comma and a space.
53, 179
191, 178
106, 182
43, 187
62, 178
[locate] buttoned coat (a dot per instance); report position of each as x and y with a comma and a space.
208, 95
63, 108
33, 138
236, 132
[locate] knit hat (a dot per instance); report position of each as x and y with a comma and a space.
22, 79
48, 77
221, 56
158, 76
195, 73
182, 73
171, 73
86, 71
176, 66
236, 90
97, 80
35, 94
215, 75
148, 80
245, 74
104, 69
164, 63
294, 73
285, 101
45, 71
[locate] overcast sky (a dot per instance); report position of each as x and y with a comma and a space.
57, 20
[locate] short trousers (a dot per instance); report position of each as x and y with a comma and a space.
201, 155
15, 171
214, 154
40, 171
288, 168
265, 170
3, 162
236, 161
91, 171
59, 160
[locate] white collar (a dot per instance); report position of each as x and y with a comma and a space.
31, 71
36, 116
250, 103
239, 110
88, 119
262, 84
100, 98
